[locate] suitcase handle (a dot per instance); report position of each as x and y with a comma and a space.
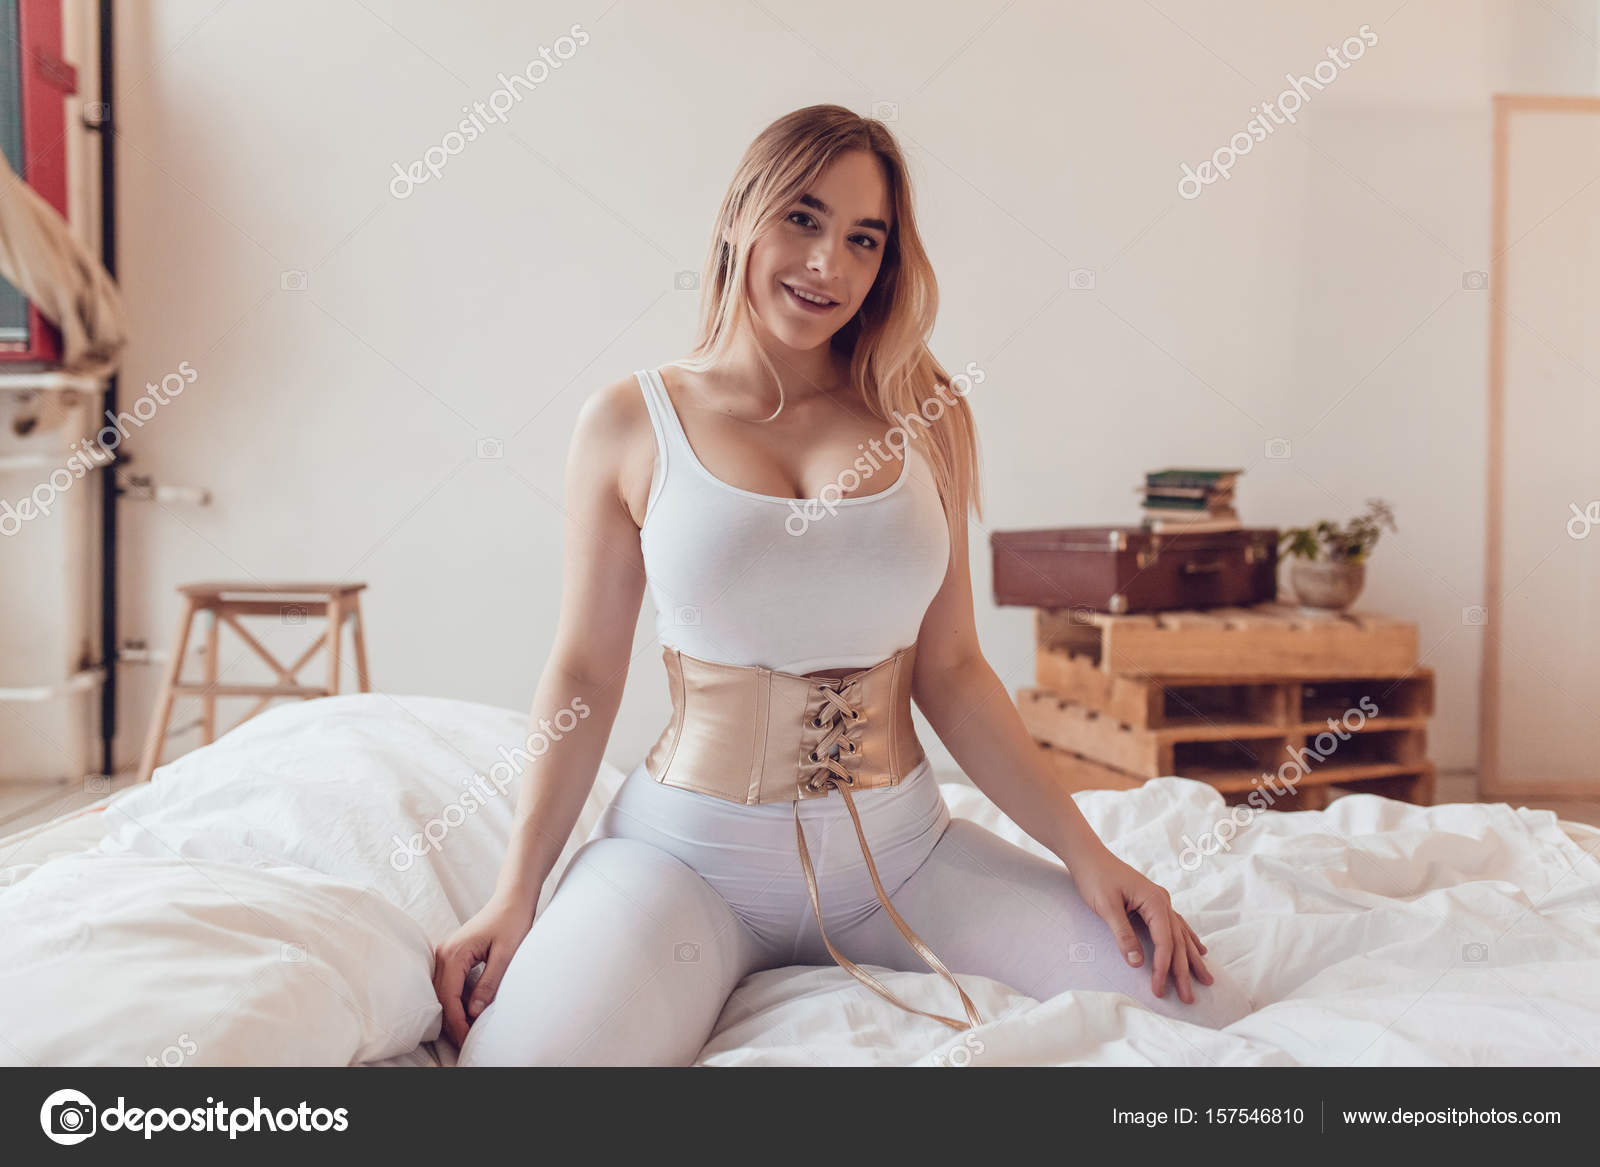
1198, 568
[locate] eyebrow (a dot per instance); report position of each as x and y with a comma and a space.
816, 203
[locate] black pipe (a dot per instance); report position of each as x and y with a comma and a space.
109, 654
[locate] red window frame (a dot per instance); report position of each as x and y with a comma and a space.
47, 80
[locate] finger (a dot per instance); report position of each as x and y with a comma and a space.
1200, 969
1199, 962
1122, 931
1193, 938
489, 983
1190, 929
1180, 965
1158, 919
447, 987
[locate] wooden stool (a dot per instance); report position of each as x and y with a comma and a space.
226, 601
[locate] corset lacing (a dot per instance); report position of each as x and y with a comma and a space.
843, 722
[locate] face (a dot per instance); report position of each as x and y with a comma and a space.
828, 246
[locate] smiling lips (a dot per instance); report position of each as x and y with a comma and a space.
811, 301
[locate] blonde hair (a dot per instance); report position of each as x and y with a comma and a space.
886, 341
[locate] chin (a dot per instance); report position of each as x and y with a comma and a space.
799, 339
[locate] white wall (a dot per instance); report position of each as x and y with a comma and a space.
1315, 296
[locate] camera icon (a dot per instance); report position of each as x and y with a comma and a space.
686, 614
686, 953
1082, 614
1475, 952
1081, 279
686, 281
73, 1119
1277, 448
1474, 281
885, 111
97, 112
292, 281
292, 613
1081, 952
1475, 615
294, 953
97, 784
490, 448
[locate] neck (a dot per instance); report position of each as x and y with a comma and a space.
803, 373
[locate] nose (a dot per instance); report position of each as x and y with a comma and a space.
821, 259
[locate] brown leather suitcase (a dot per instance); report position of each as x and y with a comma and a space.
1130, 569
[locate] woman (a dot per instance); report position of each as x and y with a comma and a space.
808, 563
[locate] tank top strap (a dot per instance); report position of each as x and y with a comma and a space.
662, 410
670, 437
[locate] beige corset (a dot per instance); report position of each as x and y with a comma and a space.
752, 735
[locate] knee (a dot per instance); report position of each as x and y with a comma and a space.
628, 964
1216, 1006
486, 1044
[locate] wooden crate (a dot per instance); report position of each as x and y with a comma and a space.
1266, 640
1294, 704
1415, 785
1238, 756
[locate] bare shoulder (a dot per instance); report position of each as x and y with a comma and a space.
613, 438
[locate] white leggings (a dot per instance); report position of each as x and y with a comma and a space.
677, 896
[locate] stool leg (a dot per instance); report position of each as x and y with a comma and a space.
163, 711
335, 634
358, 640
208, 721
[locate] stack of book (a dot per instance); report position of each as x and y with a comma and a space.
1190, 499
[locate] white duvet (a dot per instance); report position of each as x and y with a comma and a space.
256, 905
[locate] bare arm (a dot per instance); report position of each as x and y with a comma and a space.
602, 586
968, 706
970, 709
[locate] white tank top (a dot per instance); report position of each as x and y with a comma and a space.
794, 585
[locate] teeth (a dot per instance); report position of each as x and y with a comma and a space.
807, 296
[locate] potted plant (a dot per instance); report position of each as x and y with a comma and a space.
1329, 563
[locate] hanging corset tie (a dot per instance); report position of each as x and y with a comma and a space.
832, 775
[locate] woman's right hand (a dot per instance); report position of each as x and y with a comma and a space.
491, 936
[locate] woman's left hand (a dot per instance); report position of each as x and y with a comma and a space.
1114, 891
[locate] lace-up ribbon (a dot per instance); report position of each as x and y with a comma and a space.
826, 755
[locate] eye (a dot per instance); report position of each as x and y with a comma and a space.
867, 241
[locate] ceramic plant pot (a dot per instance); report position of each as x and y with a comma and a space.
1330, 585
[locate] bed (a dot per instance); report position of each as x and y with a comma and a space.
273, 898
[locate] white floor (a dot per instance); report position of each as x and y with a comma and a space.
23, 804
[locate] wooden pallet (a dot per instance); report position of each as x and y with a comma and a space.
1199, 701
1414, 785
1266, 640
1235, 756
